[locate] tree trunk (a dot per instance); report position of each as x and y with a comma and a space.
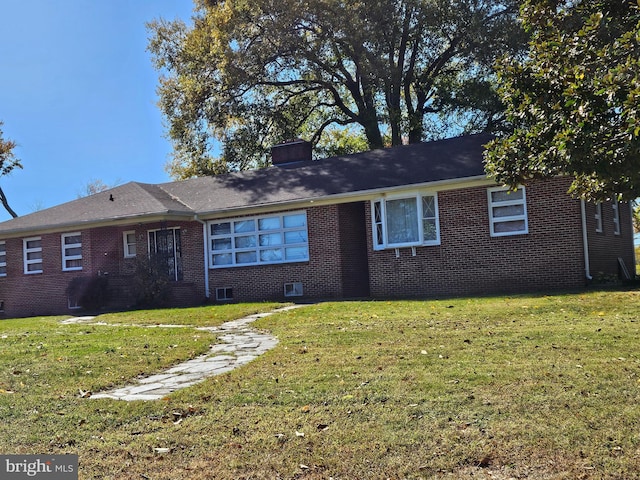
5, 204
372, 130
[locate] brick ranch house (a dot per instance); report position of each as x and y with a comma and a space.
415, 220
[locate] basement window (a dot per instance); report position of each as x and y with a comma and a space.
73, 302
293, 289
224, 294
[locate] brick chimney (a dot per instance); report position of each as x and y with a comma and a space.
291, 151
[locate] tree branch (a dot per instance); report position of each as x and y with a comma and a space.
5, 204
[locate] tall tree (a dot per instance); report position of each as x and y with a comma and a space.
251, 74
574, 101
8, 162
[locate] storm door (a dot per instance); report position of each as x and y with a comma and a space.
165, 251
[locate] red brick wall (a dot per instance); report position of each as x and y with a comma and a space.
38, 293
605, 247
470, 261
102, 254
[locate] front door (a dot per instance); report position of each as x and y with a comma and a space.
165, 250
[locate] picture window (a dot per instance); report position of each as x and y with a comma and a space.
405, 222
269, 239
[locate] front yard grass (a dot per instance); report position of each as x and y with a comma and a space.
538, 387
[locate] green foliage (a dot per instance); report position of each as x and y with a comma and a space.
8, 162
252, 74
151, 285
574, 100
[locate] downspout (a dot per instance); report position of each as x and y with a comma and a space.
631, 226
207, 294
585, 241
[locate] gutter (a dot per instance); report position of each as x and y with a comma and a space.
207, 294
585, 241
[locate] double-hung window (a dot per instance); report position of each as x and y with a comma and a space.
616, 217
598, 217
71, 251
406, 221
129, 243
3, 259
32, 254
269, 239
507, 211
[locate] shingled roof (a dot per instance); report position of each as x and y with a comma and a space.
416, 164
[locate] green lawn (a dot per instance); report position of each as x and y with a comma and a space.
538, 387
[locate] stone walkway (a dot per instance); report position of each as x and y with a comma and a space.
241, 345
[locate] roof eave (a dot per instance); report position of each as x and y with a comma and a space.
362, 195
109, 222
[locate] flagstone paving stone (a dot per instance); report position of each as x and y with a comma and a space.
241, 344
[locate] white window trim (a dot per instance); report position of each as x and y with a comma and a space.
26, 251
598, 217
3, 257
127, 253
257, 248
493, 221
616, 217
66, 258
383, 243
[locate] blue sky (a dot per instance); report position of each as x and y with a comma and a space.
77, 93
